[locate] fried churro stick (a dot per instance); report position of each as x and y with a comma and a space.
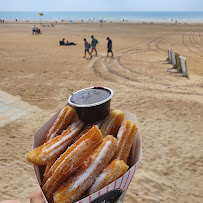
111, 173
88, 127
85, 130
53, 148
112, 123
48, 166
126, 135
85, 176
62, 121
70, 160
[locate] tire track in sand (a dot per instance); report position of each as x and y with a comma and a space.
198, 43
98, 72
186, 46
200, 36
193, 45
112, 70
127, 81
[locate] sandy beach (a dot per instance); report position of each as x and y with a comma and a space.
39, 75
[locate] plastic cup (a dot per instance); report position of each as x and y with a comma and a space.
91, 104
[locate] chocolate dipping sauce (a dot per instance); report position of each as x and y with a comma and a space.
91, 104
90, 96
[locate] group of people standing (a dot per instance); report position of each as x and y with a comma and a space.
93, 44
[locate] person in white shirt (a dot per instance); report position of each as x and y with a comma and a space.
34, 29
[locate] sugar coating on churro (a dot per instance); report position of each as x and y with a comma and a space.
93, 166
48, 166
86, 175
63, 142
100, 123
112, 123
62, 121
120, 132
112, 172
126, 135
70, 160
88, 127
53, 148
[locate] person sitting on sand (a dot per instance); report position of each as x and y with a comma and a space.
109, 46
34, 29
87, 48
69, 43
62, 42
37, 30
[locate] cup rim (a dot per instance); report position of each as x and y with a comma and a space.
94, 104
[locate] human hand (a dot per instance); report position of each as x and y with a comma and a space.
36, 197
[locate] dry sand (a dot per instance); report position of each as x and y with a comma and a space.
169, 108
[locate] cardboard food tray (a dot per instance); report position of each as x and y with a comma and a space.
121, 183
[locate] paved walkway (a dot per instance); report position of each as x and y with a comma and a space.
11, 108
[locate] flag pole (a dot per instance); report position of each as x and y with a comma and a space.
40, 14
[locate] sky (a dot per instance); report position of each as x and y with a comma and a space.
101, 5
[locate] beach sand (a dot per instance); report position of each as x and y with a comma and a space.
40, 75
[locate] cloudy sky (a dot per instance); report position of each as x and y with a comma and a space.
101, 5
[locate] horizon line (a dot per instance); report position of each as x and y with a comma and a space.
105, 11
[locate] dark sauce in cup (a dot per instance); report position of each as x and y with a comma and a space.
90, 96
92, 104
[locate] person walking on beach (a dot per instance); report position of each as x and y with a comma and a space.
109, 46
34, 29
87, 48
94, 44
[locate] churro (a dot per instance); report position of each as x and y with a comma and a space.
53, 148
112, 123
48, 166
70, 160
112, 172
85, 176
88, 127
62, 121
126, 135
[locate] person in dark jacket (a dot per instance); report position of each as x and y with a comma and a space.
109, 46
